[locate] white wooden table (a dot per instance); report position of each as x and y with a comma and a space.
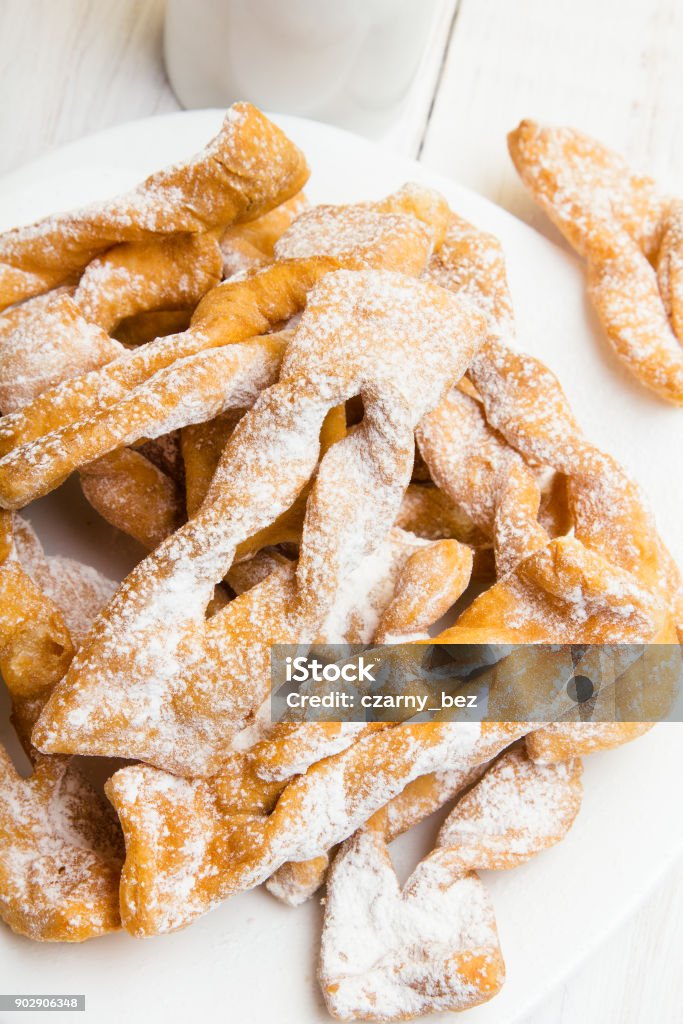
612, 67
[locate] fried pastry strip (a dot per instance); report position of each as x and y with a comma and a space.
630, 236
61, 854
315, 811
618, 549
61, 847
246, 170
389, 951
295, 882
54, 337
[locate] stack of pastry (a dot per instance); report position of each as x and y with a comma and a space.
314, 421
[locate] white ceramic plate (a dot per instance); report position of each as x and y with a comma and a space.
252, 961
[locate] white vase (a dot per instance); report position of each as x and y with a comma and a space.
350, 62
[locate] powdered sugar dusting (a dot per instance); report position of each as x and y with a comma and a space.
249, 167
44, 342
386, 952
62, 854
78, 590
625, 229
365, 594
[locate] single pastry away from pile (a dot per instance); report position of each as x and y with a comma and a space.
316, 422
630, 234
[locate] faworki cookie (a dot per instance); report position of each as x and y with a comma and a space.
629, 233
220, 665
441, 951
246, 170
315, 421
61, 846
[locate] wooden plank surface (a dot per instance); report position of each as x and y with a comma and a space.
71, 67
613, 68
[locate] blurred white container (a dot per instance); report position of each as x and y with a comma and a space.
349, 62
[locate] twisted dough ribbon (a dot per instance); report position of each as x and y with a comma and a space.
631, 237
184, 683
249, 168
389, 951
613, 580
54, 337
297, 881
164, 817
190, 377
62, 852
